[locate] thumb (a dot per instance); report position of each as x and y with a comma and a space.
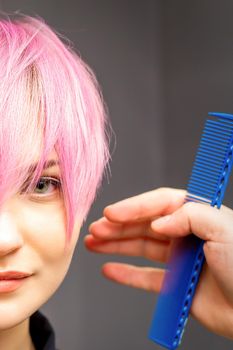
206, 222
215, 226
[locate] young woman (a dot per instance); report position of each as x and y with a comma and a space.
53, 150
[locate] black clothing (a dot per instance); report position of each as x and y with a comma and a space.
41, 331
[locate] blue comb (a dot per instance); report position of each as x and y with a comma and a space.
207, 184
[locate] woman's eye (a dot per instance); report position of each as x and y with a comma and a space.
47, 186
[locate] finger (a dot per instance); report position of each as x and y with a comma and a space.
219, 258
106, 229
145, 206
149, 279
147, 248
206, 222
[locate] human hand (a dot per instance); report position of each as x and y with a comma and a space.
145, 225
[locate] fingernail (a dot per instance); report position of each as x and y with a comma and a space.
161, 221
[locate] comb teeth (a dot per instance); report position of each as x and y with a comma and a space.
212, 160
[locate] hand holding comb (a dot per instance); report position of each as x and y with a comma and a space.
207, 185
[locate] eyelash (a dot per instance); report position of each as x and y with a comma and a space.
50, 180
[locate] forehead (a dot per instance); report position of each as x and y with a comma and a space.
52, 156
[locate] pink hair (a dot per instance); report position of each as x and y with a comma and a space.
49, 99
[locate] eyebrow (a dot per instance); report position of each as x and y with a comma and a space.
49, 164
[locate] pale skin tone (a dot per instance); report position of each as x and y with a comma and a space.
32, 239
144, 225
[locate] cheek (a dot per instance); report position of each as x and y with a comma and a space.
43, 230
44, 233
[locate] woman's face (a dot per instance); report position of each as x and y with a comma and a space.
32, 240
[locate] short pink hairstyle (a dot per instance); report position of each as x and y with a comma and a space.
49, 98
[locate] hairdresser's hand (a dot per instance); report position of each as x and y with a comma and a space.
144, 225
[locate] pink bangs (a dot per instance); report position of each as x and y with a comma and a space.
50, 99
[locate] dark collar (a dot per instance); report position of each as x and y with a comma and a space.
41, 332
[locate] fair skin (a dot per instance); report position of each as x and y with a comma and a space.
33, 242
146, 224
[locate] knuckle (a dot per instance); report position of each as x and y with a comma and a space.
168, 190
165, 191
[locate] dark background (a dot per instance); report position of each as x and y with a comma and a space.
162, 66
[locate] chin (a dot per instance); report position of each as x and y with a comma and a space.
14, 311
10, 319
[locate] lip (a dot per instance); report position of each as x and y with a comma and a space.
9, 275
12, 280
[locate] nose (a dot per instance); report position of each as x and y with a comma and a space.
10, 238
